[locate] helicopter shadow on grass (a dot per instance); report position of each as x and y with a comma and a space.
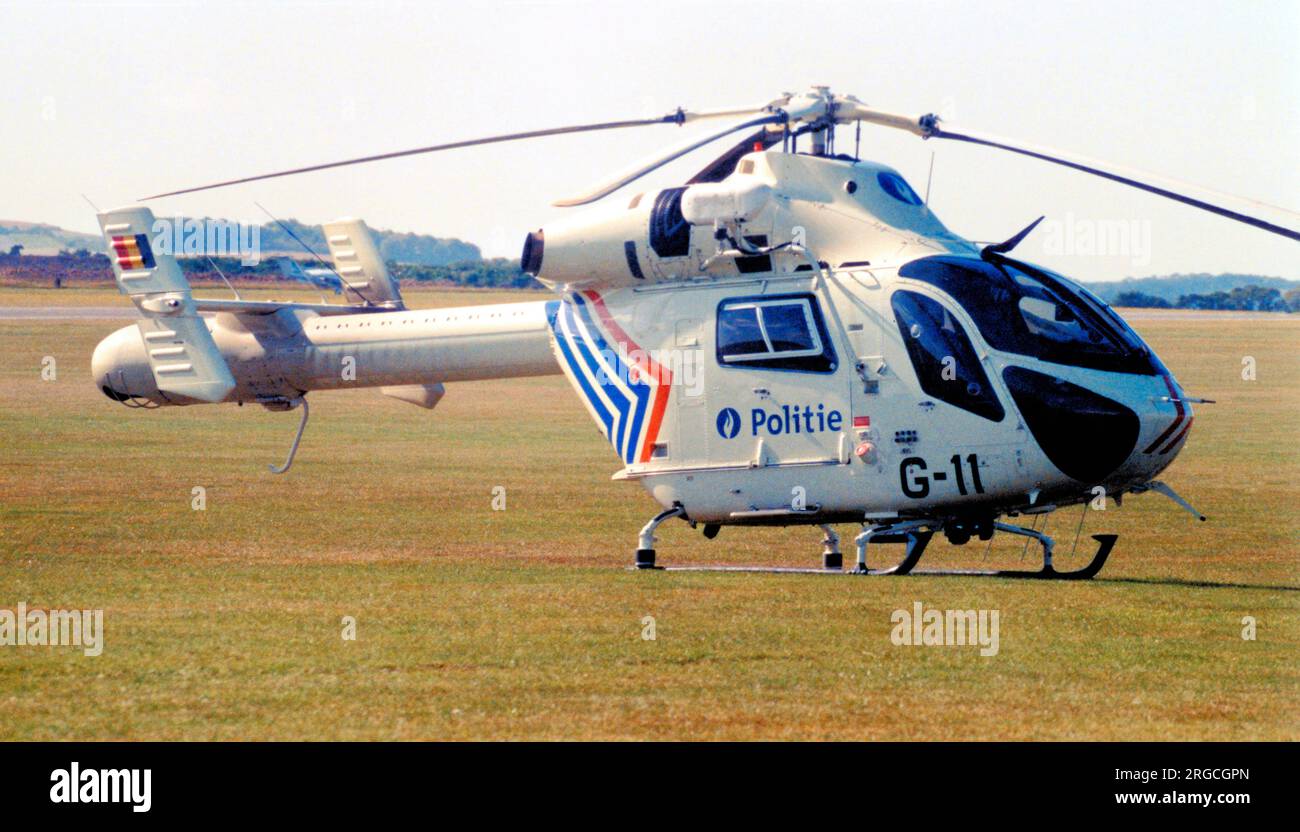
1179, 582
1184, 582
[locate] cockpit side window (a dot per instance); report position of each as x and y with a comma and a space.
943, 357
1027, 311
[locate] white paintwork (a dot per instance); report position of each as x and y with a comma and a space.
805, 201
294, 351
718, 479
736, 200
863, 234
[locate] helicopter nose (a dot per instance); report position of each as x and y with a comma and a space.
121, 370
1087, 435
1167, 425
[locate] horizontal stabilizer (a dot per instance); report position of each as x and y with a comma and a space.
184, 358
270, 307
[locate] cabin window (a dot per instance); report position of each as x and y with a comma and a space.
780, 332
897, 187
942, 355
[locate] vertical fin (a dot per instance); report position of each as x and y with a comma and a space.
182, 355
359, 263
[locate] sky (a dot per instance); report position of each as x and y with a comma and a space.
119, 100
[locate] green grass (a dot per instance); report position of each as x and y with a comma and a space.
524, 624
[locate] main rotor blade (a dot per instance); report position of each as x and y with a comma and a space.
676, 117
608, 187
1088, 166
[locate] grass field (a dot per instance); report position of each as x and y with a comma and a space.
524, 623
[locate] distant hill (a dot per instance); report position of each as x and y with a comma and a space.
1171, 287
396, 246
38, 238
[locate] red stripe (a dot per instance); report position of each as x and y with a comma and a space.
1178, 419
664, 377
1173, 444
652, 432
128, 253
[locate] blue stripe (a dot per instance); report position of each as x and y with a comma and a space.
616, 396
578, 353
602, 413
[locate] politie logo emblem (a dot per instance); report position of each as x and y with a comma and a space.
728, 423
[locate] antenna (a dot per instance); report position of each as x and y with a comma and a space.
319, 259
214, 265
928, 179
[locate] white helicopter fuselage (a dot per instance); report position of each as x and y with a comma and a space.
789, 345
850, 430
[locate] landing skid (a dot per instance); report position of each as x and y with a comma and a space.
916, 544
1105, 542
915, 534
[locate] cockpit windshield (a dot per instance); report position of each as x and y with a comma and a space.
1028, 311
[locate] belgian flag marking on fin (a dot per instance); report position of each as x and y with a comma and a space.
133, 252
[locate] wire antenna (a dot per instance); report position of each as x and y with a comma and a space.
929, 178
214, 265
1079, 530
319, 259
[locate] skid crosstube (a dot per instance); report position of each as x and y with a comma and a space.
915, 542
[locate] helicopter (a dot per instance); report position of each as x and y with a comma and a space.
791, 337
